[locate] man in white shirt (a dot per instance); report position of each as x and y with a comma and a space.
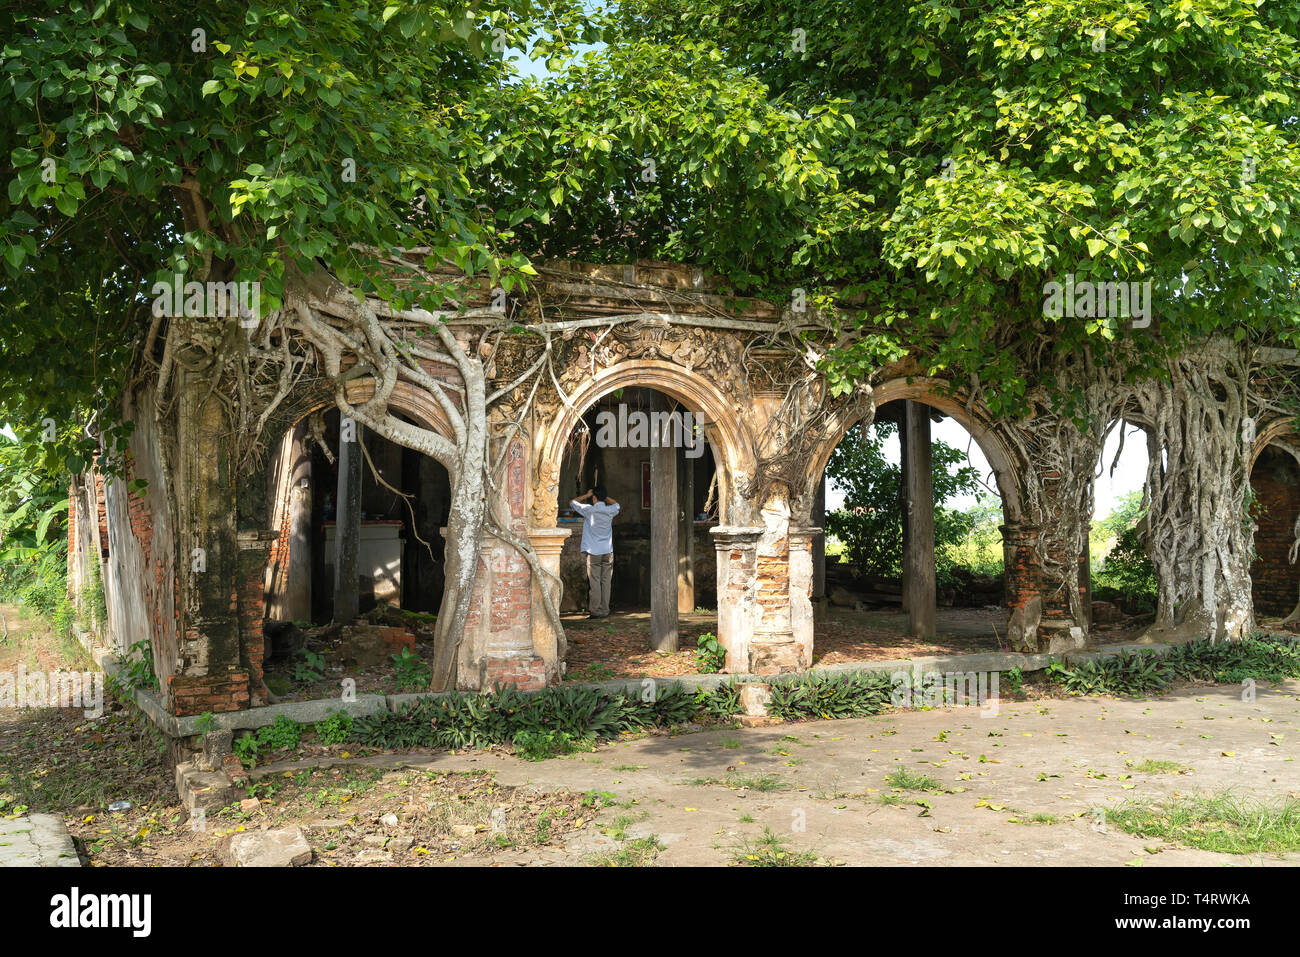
597, 511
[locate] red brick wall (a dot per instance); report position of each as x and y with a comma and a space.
772, 581
72, 537
103, 515
1024, 578
196, 695
142, 529
1275, 581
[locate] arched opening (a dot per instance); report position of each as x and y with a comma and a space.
1121, 579
870, 509
1275, 507
641, 445
402, 499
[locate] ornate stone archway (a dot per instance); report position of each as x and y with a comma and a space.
725, 433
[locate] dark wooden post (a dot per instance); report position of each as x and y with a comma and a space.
663, 536
819, 540
685, 533
904, 508
347, 528
918, 562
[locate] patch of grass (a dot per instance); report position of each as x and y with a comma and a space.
736, 781
1150, 766
1039, 818
746, 819
1223, 823
640, 852
912, 781
770, 851
618, 829
730, 744
891, 800
597, 671
756, 782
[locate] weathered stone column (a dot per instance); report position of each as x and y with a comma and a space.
347, 529
254, 548
209, 675
802, 585
499, 646
736, 550
296, 602
548, 644
773, 648
919, 585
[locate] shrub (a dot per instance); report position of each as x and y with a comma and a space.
334, 729
554, 720
830, 696
281, 735
720, 704
711, 655
412, 673
1258, 657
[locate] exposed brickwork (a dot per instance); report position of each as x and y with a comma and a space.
195, 694
395, 639
773, 570
529, 674
1025, 579
1275, 581
251, 605
103, 515
142, 529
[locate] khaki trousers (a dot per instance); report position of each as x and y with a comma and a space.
600, 573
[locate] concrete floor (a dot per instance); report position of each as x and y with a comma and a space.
1067, 758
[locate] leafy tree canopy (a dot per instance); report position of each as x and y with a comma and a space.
999, 146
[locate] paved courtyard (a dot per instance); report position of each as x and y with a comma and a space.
819, 786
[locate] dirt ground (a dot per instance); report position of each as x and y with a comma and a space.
1030, 783
618, 646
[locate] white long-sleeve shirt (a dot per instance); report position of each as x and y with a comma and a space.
597, 526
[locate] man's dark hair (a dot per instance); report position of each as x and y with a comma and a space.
600, 493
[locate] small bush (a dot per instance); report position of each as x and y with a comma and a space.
711, 655
830, 696
1226, 662
281, 735
334, 729
412, 673
552, 721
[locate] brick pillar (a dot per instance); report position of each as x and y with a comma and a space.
1275, 581
736, 550
254, 547
210, 674
803, 576
548, 645
503, 650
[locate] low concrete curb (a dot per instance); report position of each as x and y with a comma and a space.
37, 840
317, 709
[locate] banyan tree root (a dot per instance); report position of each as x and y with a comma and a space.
1197, 531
